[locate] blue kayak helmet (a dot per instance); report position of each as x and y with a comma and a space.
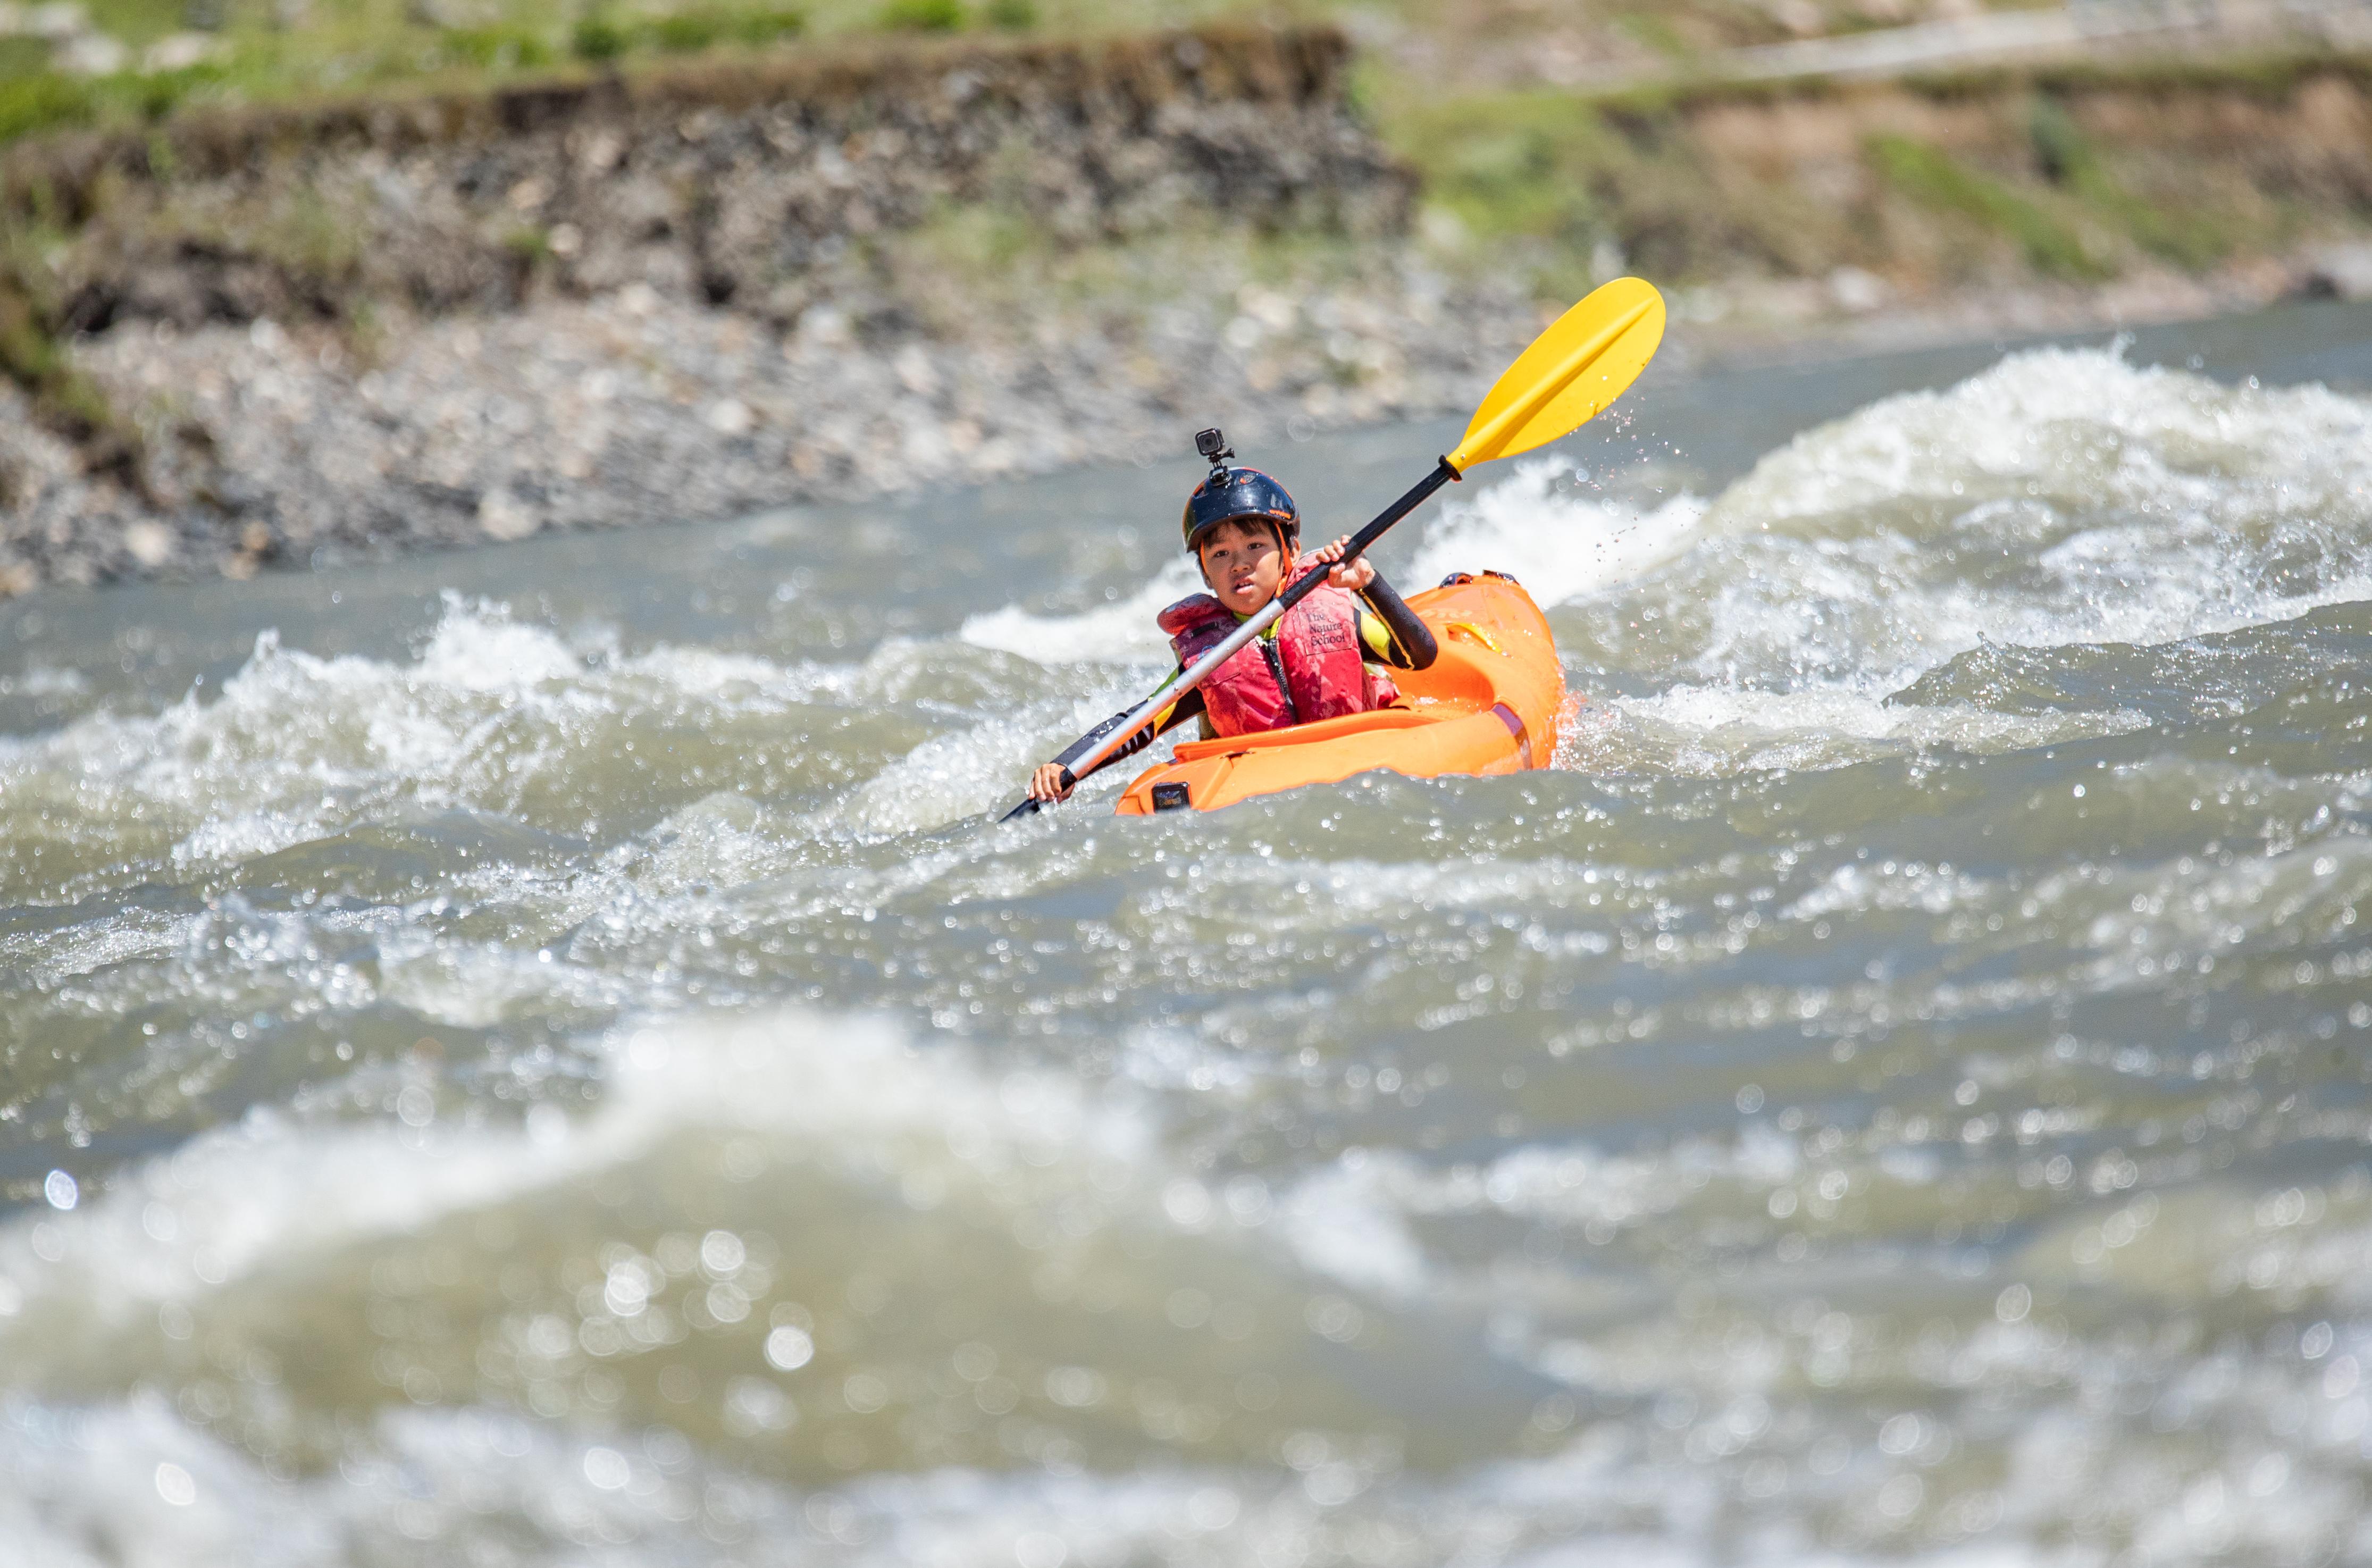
1229, 492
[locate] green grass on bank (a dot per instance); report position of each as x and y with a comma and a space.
30, 105
1932, 177
2074, 162
261, 55
262, 65
32, 356
275, 49
1682, 187
1563, 179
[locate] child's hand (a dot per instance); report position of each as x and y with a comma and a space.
1352, 576
1051, 782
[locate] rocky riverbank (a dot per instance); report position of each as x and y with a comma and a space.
299, 333
270, 444
254, 338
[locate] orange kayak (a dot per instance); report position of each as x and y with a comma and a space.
1489, 705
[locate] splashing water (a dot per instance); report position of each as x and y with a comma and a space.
582, 1084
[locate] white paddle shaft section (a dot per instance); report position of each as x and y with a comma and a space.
1196, 674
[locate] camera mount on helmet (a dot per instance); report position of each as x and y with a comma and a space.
1213, 448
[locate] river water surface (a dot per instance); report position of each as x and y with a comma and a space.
543, 1057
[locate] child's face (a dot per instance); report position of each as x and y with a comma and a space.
1243, 564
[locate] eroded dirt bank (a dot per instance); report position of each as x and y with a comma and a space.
254, 335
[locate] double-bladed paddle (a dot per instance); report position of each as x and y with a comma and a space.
1585, 359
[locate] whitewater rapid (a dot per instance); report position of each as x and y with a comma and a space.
546, 1058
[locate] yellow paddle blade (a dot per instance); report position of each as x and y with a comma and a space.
1586, 360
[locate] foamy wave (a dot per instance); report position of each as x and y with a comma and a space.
1717, 731
1350, 1219
2082, 426
982, 769
491, 715
1122, 632
273, 1189
1561, 542
811, 1179
484, 1485
2061, 497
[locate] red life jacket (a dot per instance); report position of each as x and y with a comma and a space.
1315, 648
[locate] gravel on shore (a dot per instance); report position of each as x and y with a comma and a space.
273, 446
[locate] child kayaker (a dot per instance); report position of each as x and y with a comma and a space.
1322, 659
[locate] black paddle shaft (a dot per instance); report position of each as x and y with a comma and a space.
1442, 474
